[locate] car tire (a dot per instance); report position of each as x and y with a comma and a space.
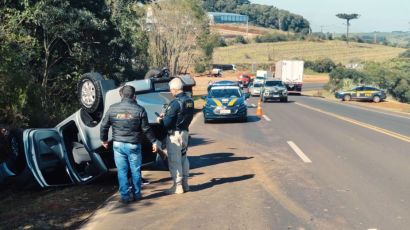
284, 100
89, 92
152, 73
376, 99
347, 97
157, 73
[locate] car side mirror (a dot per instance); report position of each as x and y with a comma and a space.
247, 95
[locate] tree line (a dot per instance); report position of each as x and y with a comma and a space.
46, 45
261, 15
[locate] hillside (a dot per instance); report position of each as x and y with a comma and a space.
233, 30
338, 51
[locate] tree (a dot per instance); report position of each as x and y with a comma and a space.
347, 17
45, 45
175, 33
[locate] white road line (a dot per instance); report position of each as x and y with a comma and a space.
266, 118
253, 105
299, 152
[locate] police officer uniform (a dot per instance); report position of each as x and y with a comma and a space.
176, 120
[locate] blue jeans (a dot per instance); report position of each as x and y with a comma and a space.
127, 155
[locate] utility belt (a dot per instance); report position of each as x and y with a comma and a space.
172, 132
184, 148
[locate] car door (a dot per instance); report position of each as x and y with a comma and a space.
46, 157
356, 92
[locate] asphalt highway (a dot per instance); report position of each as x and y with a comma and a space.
305, 164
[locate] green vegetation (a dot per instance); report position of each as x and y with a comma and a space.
392, 75
336, 50
261, 15
45, 46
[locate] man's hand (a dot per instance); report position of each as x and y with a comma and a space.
159, 119
156, 146
105, 144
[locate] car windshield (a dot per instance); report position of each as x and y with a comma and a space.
224, 93
273, 83
260, 78
257, 85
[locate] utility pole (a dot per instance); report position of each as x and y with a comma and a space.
375, 38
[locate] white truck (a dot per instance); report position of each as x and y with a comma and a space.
290, 72
262, 75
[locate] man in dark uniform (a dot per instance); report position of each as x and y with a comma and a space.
129, 122
176, 120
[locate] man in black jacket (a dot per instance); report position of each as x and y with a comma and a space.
129, 122
176, 120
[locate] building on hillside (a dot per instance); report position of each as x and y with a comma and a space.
220, 18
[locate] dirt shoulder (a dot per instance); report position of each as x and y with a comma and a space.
57, 208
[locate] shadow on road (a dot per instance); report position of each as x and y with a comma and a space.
218, 181
213, 159
194, 140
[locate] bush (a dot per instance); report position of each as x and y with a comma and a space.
199, 68
405, 54
325, 65
240, 39
221, 42
270, 38
402, 90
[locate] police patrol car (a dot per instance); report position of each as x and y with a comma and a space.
368, 93
225, 102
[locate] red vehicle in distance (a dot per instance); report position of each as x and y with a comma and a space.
244, 80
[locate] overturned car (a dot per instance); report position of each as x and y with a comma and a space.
71, 152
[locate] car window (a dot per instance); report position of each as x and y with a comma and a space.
224, 93
273, 83
257, 85
370, 88
358, 88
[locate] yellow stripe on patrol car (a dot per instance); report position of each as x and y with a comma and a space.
217, 102
232, 102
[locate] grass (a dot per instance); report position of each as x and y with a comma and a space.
336, 50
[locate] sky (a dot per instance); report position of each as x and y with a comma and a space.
375, 15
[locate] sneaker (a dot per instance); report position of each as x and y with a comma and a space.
144, 181
176, 189
126, 200
185, 186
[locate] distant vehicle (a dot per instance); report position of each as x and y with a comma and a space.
262, 75
255, 89
274, 90
225, 102
290, 72
216, 72
365, 93
244, 80
72, 153
224, 66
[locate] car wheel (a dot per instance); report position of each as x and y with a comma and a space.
152, 73
347, 97
89, 92
376, 99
